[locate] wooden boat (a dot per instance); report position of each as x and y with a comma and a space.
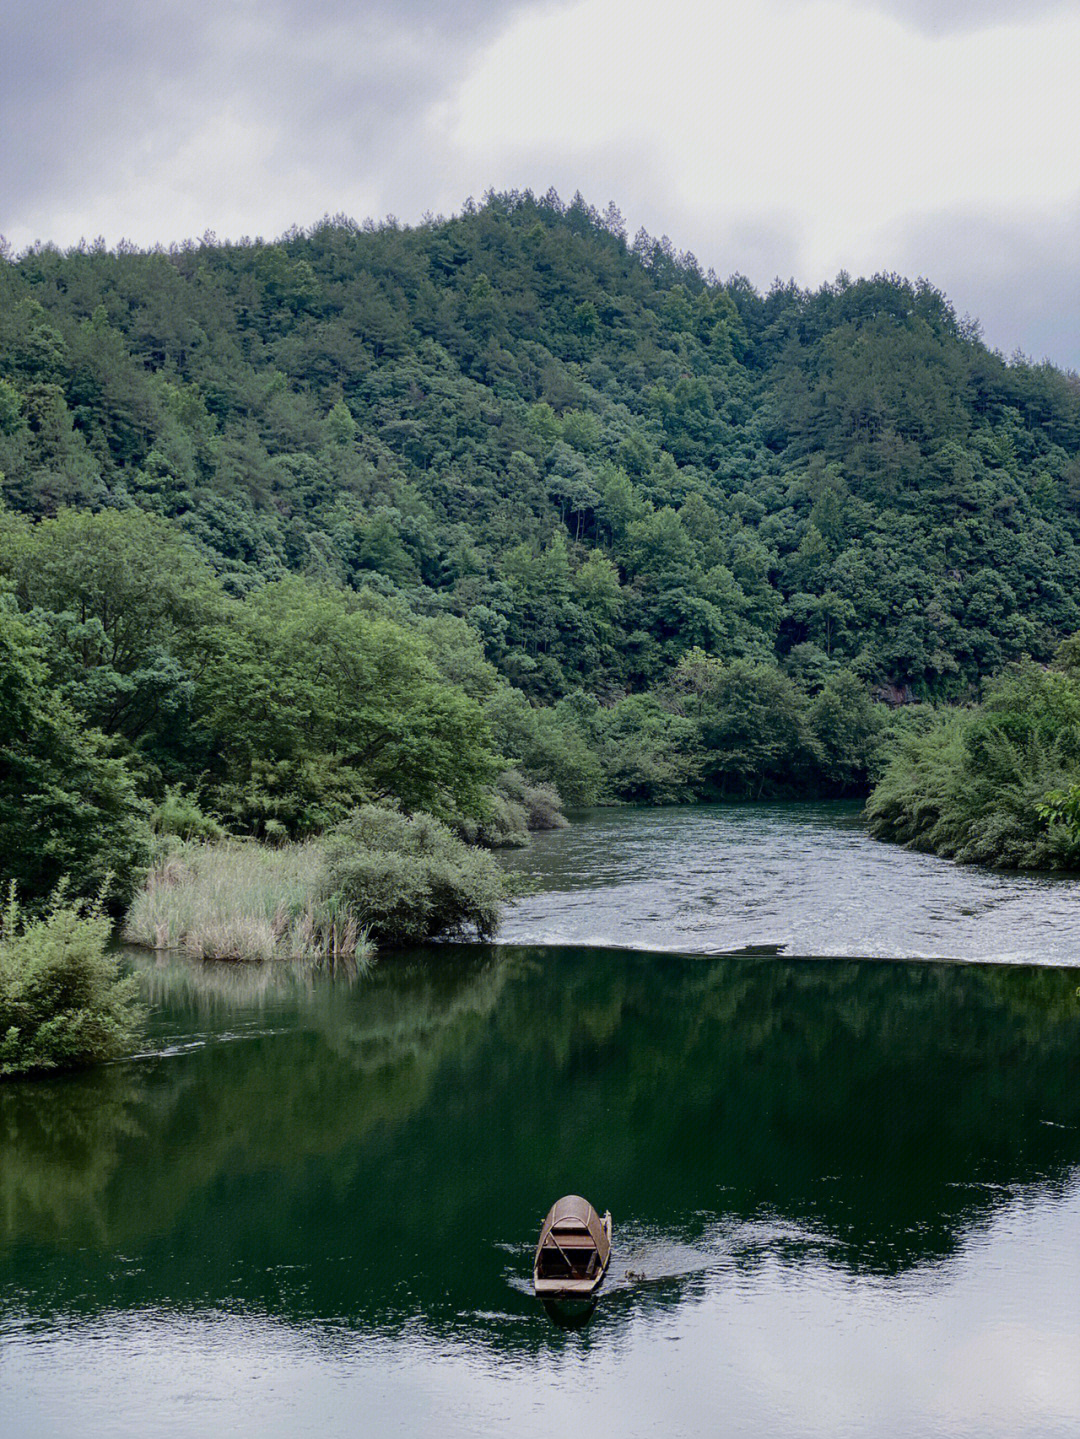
574, 1249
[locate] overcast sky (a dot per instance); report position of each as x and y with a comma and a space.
771, 137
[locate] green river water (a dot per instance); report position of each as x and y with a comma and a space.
846, 1191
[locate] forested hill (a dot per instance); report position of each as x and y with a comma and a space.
596, 453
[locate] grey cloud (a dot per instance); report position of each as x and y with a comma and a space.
1018, 274
639, 180
95, 97
942, 17
762, 250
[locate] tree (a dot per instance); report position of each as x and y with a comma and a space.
755, 732
68, 808
119, 599
313, 705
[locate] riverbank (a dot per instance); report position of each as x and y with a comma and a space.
243, 901
379, 876
797, 878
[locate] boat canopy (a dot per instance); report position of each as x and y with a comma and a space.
573, 1212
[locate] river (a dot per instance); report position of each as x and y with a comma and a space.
793, 879
846, 1194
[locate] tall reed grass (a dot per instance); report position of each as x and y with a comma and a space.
237, 900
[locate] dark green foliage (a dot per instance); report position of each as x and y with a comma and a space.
650, 755
68, 805
596, 454
408, 879
991, 784
379, 512
63, 1000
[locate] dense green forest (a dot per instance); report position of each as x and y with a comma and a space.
444, 515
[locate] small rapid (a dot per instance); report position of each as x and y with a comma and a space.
797, 880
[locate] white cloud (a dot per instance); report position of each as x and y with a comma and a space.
842, 118
790, 137
781, 137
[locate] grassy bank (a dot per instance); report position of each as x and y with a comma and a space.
241, 900
379, 877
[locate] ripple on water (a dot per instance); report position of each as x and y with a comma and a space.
799, 879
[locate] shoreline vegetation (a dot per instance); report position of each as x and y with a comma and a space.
998, 783
380, 877
333, 563
64, 1000
231, 899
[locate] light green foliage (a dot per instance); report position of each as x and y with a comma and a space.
556, 744
581, 429
10, 408
410, 878
539, 803
1062, 807
565, 753
340, 424
63, 1000
242, 901
120, 599
516, 808
180, 814
991, 784
314, 703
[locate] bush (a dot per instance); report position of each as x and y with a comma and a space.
516, 808
63, 1000
411, 879
180, 814
980, 786
541, 803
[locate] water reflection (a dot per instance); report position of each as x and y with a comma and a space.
845, 1200
381, 1152
566, 1314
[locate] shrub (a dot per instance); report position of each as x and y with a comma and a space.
411, 878
980, 786
540, 802
180, 814
516, 808
63, 1000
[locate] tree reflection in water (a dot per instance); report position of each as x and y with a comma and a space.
378, 1149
